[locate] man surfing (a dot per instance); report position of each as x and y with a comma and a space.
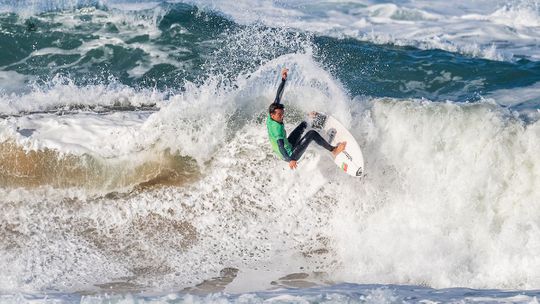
291, 148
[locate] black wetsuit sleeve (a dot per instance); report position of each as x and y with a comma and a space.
284, 153
280, 91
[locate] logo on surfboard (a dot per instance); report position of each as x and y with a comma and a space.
344, 167
347, 155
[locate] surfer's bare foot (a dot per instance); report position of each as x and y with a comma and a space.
340, 147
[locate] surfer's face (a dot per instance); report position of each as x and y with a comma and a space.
277, 115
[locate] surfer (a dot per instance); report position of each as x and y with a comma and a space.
291, 148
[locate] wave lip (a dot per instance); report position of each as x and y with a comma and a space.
46, 167
93, 151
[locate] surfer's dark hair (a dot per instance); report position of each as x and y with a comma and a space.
274, 107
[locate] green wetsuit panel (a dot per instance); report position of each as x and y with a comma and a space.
276, 131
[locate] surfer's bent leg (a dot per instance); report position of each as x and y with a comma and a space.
296, 133
302, 145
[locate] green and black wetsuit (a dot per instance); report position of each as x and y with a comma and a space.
292, 147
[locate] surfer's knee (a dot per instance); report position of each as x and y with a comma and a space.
311, 134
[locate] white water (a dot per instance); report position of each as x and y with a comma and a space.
449, 198
497, 30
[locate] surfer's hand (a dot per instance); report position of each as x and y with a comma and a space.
284, 73
292, 164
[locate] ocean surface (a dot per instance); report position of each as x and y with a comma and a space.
135, 164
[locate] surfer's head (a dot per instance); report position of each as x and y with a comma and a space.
276, 111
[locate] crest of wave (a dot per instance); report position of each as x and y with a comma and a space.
449, 199
523, 14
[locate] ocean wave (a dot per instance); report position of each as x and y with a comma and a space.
478, 30
62, 95
157, 51
31, 169
504, 31
109, 185
446, 202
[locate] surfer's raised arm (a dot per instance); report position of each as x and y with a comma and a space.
281, 85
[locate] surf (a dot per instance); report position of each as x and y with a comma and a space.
147, 175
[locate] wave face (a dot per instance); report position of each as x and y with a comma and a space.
134, 155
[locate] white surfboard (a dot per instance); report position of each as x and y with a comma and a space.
351, 159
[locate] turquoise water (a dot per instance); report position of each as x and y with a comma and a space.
100, 45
